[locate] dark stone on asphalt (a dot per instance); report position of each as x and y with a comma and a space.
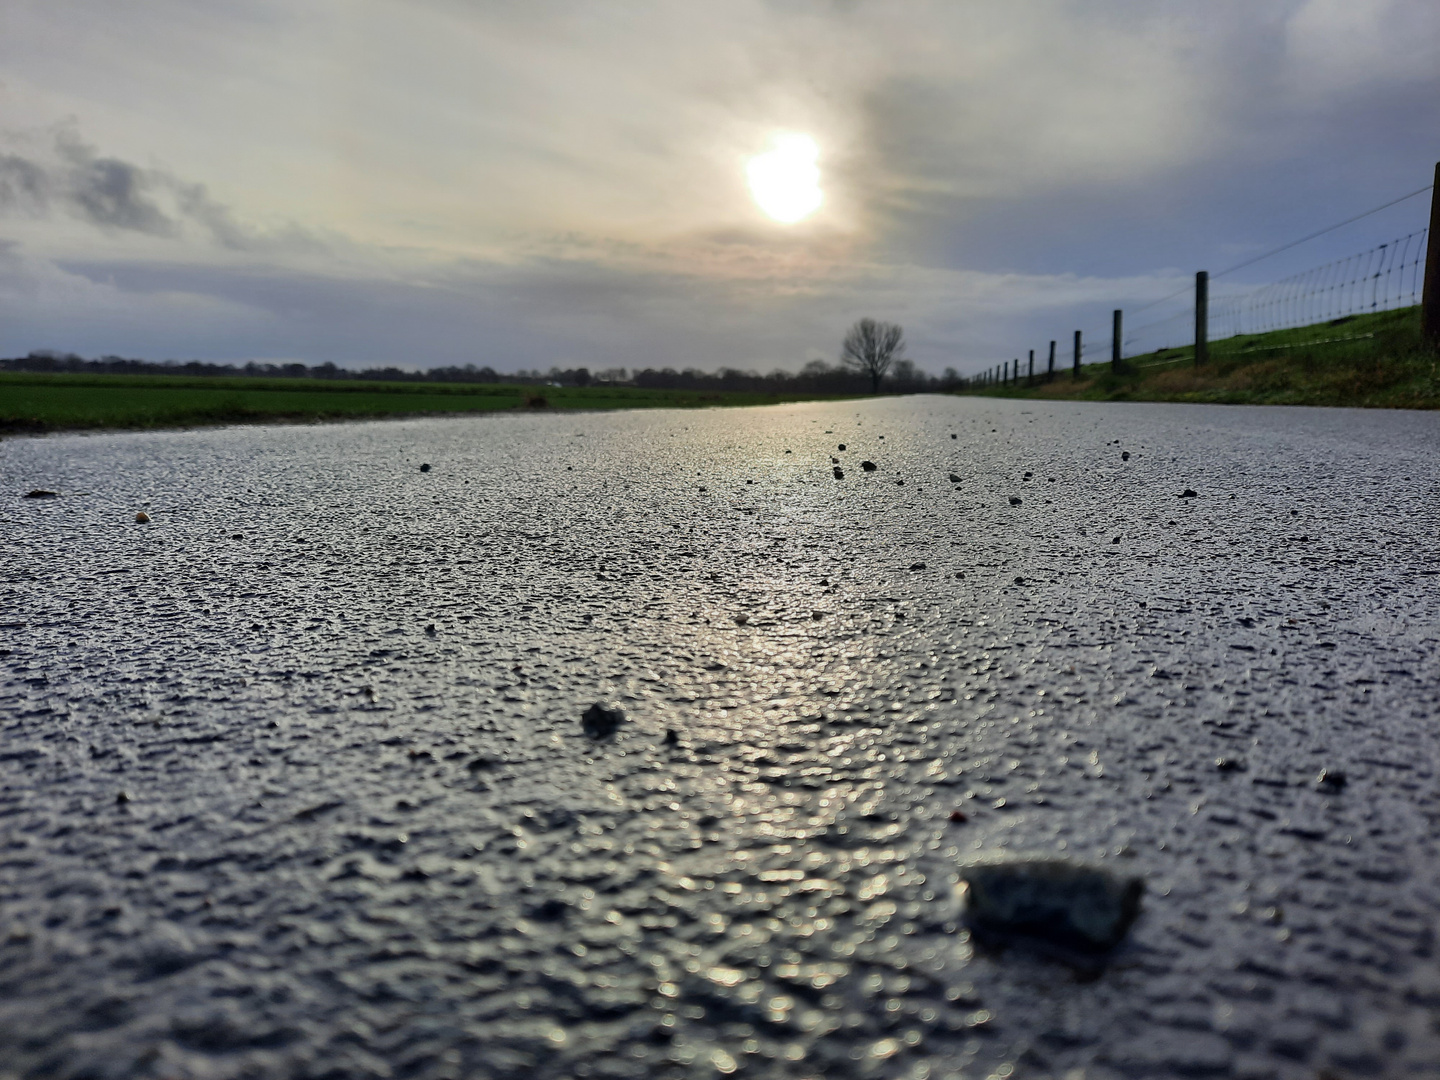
954, 479
1189, 493
1330, 780
954, 436
839, 473
917, 566
842, 446
601, 720
1228, 764
671, 738
552, 910
869, 466
41, 493
425, 467
1125, 455
1070, 904
430, 629
1014, 500
1019, 581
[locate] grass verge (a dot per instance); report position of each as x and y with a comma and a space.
38, 403
1372, 361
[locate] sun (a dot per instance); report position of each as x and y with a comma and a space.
785, 180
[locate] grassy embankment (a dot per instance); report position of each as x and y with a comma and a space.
1376, 361
58, 402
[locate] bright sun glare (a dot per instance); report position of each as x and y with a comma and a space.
785, 180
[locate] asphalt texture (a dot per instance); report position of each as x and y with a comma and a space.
294, 780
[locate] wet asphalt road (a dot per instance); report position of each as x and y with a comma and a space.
293, 781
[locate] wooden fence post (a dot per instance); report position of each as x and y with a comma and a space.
1031, 378
1050, 374
1430, 298
1202, 316
1075, 375
1115, 324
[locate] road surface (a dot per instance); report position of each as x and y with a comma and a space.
293, 780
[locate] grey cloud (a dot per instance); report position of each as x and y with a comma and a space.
510, 316
68, 174
110, 193
23, 184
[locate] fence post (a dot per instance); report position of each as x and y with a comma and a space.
1430, 298
1115, 360
1202, 316
1050, 374
1075, 375
1031, 378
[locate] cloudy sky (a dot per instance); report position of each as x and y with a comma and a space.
430, 182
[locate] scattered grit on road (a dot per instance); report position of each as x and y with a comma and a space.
294, 781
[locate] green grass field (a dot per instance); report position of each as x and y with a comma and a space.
1375, 361
37, 403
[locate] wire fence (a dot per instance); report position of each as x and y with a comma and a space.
1385, 277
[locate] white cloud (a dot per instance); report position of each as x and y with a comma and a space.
1339, 45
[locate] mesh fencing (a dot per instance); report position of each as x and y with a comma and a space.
1382, 278
1385, 277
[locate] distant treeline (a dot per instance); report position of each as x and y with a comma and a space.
816, 377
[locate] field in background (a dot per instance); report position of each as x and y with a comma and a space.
31, 402
1375, 361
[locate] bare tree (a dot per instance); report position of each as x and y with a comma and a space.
870, 348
